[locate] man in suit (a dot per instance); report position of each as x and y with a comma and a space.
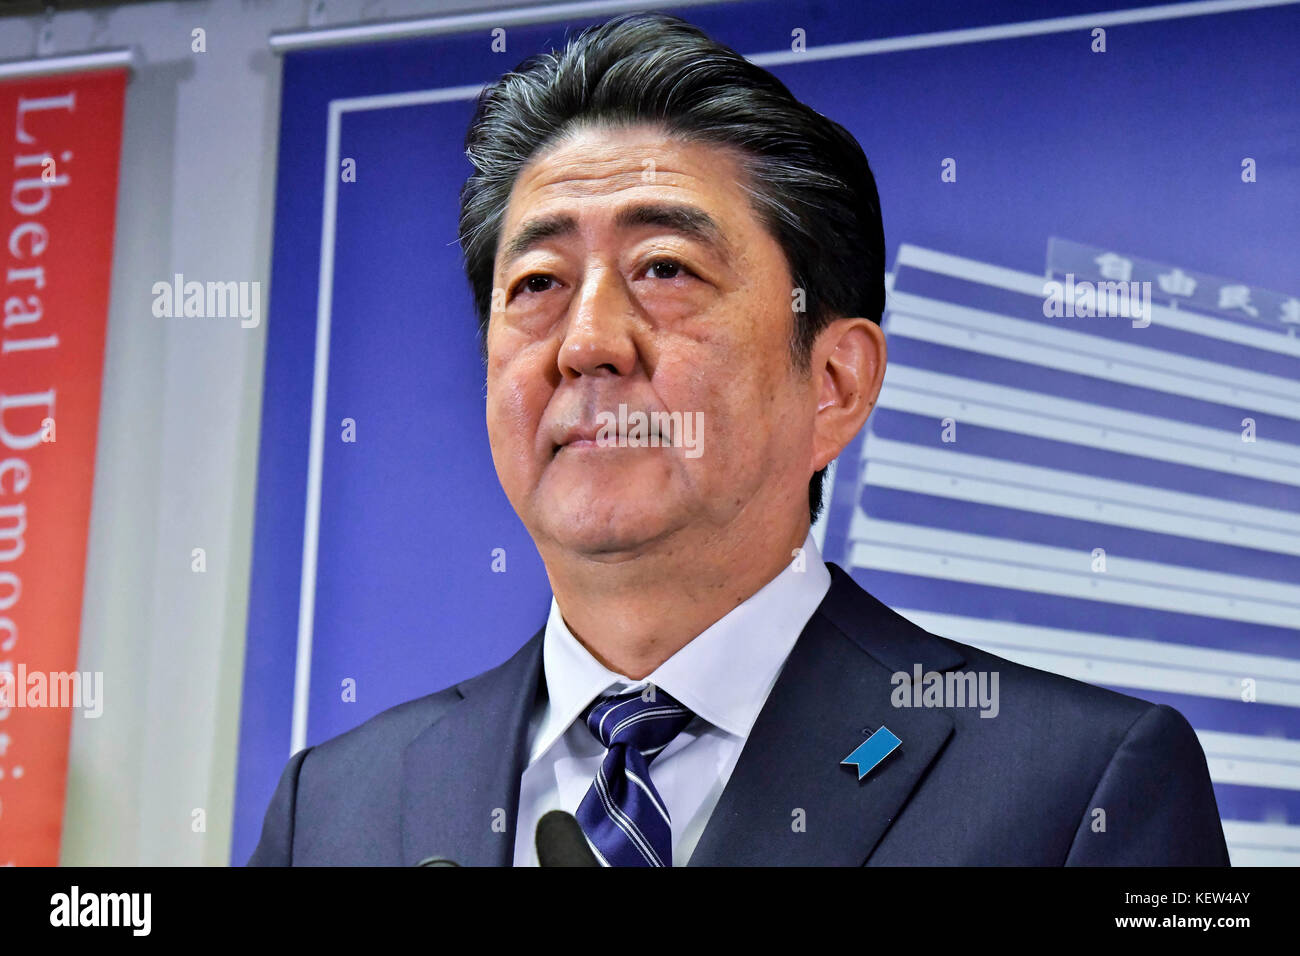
678, 271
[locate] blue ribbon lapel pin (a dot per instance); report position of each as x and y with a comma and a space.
873, 750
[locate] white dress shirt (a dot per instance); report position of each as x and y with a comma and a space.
724, 676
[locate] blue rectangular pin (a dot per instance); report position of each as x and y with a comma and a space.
872, 750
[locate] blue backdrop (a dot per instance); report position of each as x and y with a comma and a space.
1070, 436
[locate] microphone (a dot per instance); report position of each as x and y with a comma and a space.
561, 842
437, 861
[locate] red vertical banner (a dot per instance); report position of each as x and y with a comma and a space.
61, 138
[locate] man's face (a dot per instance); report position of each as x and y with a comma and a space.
655, 287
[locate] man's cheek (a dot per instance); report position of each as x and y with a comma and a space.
513, 404
512, 449
521, 422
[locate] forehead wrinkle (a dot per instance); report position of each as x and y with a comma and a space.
569, 182
679, 218
682, 218
551, 174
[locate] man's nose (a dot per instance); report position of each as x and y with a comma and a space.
599, 334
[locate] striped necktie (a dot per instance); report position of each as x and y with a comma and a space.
622, 814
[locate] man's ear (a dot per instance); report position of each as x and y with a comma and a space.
849, 368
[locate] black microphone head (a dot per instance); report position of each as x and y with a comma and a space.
437, 861
561, 842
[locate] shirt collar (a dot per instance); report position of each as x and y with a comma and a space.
724, 675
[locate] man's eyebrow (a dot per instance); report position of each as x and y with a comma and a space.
534, 232
688, 221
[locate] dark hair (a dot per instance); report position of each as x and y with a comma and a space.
809, 181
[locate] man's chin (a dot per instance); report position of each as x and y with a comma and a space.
593, 529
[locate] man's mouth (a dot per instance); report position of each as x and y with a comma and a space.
575, 443
577, 437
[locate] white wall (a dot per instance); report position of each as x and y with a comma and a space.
178, 436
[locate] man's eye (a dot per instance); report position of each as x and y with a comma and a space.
535, 283
667, 269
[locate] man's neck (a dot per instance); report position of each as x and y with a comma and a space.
634, 614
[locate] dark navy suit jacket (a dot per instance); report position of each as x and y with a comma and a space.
439, 776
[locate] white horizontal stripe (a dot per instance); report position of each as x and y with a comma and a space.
1026, 575
1282, 672
661, 713
1178, 668
1020, 578
972, 270
312, 38
600, 727
964, 411
1085, 423
1135, 676
1084, 340
1217, 743
1044, 557
1277, 835
289, 40
1253, 773
91, 60
1262, 856
1029, 284
1003, 31
1046, 346
1084, 508
944, 459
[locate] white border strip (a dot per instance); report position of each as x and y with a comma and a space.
285, 41
70, 63
316, 447
1005, 31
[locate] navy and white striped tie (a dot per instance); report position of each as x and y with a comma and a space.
622, 814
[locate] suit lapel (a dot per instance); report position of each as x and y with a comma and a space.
833, 692
461, 774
